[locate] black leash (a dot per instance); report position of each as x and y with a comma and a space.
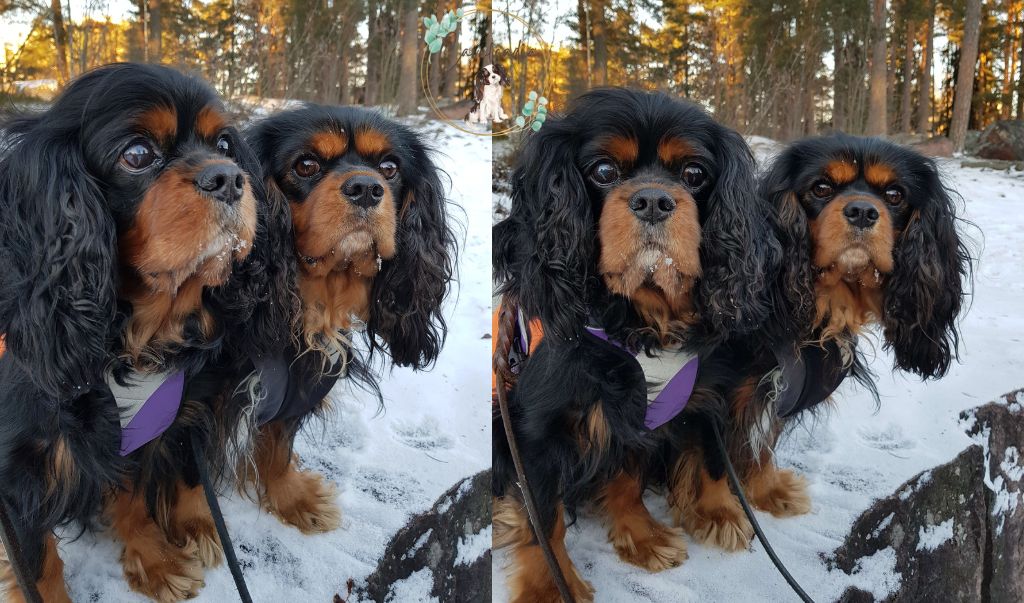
753, 520
524, 487
218, 521
15, 558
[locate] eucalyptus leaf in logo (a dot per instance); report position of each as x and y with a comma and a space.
501, 72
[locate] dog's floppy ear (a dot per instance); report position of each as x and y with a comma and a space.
738, 252
925, 291
505, 80
407, 293
478, 86
259, 300
542, 251
792, 289
58, 295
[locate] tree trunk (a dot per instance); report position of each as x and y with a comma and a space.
1020, 80
906, 110
583, 13
599, 25
1009, 63
373, 50
924, 102
877, 93
155, 32
839, 100
451, 68
60, 41
344, 69
434, 84
436, 59
409, 80
965, 76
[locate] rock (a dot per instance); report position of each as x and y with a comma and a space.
971, 141
438, 542
1003, 139
955, 532
906, 138
937, 146
999, 428
993, 164
454, 111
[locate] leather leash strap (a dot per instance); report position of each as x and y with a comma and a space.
501, 368
15, 558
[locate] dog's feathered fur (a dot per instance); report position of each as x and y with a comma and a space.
906, 272
84, 291
383, 270
578, 405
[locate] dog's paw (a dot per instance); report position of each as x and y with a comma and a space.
652, 546
203, 535
542, 589
725, 527
161, 571
785, 497
306, 502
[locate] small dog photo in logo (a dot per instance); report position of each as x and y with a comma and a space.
488, 94
499, 76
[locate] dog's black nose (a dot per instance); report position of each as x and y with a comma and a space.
861, 214
363, 191
652, 205
222, 181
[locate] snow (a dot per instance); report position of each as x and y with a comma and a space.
388, 466
855, 454
473, 546
412, 588
932, 537
875, 574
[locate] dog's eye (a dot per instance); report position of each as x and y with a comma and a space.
605, 173
306, 167
893, 196
822, 190
388, 168
224, 146
695, 176
139, 155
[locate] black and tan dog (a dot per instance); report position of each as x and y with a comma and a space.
372, 251
132, 248
637, 214
870, 236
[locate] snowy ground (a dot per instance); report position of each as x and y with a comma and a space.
434, 431
856, 455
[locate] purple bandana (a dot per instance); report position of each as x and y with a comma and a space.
148, 407
671, 400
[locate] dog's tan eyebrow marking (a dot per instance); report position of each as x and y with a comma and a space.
879, 174
329, 144
841, 171
371, 142
209, 122
161, 122
671, 150
623, 149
